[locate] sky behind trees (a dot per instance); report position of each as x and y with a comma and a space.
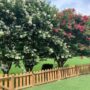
81, 6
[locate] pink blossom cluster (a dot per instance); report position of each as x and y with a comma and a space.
85, 18
79, 27
69, 34
88, 38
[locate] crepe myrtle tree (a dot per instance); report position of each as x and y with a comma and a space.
5, 51
45, 34
52, 45
8, 49
60, 49
21, 26
6, 46
75, 27
42, 19
15, 42
12, 34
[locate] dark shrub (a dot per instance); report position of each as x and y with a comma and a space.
47, 66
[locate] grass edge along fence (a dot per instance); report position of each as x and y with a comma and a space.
29, 79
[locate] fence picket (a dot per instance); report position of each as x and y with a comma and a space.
27, 78
21, 80
17, 81
1, 82
6, 81
42, 76
11, 83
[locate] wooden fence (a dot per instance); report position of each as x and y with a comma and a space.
18, 82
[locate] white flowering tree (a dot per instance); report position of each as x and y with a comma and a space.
28, 31
9, 33
22, 25
48, 41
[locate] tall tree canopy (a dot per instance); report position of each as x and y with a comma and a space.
28, 31
75, 28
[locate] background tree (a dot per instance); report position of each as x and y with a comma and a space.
75, 27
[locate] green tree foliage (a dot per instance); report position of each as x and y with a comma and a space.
29, 31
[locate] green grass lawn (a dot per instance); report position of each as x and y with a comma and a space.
77, 61
70, 62
75, 83
16, 70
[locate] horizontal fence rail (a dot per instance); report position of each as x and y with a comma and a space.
29, 79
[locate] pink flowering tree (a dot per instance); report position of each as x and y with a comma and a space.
75, 27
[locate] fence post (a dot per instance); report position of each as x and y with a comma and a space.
32, 80
77, 70
1, 83
58, 72
11, 84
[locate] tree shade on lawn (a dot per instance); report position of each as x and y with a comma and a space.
71, 62
75, 83
38, 67
17, 70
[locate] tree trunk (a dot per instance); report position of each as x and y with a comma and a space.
28, 69
6, 68
31, 68
61, 62
9, 67
59, 65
